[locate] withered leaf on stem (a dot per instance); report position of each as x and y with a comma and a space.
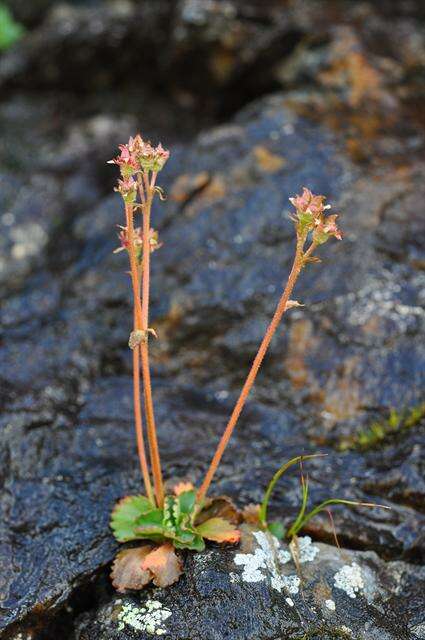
182, 487
219, 507
127, 570
251, 514
219, 530
164, 564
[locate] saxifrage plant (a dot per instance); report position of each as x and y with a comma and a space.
186, 518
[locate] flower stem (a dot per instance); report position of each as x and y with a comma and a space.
280, 310
136, 363
144, 347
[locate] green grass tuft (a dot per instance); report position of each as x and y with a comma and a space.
380, 432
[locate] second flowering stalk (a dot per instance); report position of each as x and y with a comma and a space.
140, 159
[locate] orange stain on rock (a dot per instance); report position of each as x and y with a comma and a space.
342, 394
266, 160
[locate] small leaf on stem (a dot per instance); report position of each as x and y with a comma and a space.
182, 487
251, 514
219, 507
293, 303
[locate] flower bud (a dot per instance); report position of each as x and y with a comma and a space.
128, 189
126, 161
152, 158
325, 229
161, 157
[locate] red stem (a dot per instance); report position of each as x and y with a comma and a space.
280, 310
144, 347
136, 363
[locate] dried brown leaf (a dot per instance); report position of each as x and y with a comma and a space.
293, 303
127, 571
181, 487
251, 513
165, 566
220, 507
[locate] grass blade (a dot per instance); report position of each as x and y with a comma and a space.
279, 473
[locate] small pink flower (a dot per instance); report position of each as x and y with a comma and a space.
127, 187
126, 161
309, 203
325, 229
161, 156
310, 216
154, 243
330, 227
123, 238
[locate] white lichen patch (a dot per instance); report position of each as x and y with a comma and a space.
306, 549
149, 617
265, 563
290, 583
252, 564
349, 579
330, 604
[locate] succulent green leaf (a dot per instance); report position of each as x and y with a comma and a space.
195, 543
135, 517
130, 513
187, 501
149, 526
277, 529
170, 512
152, 518
132, 507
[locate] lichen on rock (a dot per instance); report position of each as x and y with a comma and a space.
148, 617
349, 578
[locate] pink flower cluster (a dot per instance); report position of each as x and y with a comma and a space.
138, 155
310, 216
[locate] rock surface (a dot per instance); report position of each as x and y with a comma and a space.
355, 350
259, 594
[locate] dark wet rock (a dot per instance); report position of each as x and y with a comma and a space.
258, 594
235, 50
87, 47
67, 439
355, 351
30, 13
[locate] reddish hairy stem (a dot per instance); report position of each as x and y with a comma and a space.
139, 427
144, 347
136, 363
280, 310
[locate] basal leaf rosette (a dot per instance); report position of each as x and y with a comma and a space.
180, 524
